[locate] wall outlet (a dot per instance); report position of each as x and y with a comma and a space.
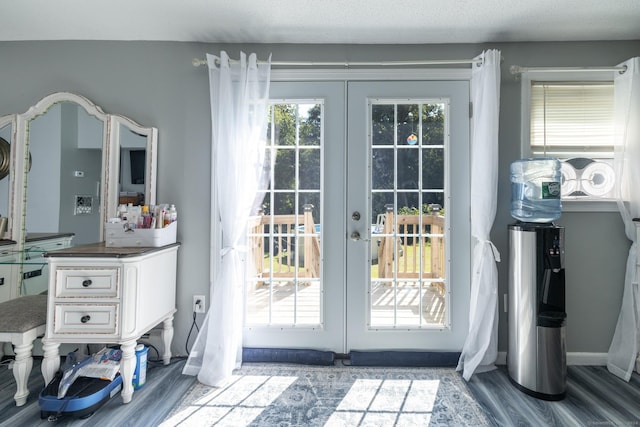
198, 303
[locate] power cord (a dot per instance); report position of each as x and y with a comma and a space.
193, 324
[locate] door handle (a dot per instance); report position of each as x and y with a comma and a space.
355, 216
355, 236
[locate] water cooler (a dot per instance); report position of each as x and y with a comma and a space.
536, 355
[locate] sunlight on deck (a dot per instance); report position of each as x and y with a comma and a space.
407, 304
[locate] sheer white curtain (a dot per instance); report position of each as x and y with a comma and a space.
481, 346
239, 101
624, 345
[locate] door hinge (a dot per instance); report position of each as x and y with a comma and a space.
470, 109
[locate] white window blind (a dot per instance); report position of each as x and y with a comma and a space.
571, 119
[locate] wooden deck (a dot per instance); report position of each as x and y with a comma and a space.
409, 304
408, 274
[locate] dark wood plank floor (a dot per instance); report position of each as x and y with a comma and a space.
151, 404
595, 397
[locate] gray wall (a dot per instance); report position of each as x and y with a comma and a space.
155, 84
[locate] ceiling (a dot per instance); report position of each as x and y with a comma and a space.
323, 21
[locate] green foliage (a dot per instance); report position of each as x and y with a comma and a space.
426, 210
296, 136
391, 124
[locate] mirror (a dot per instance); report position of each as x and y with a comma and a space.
7, 128
63, 186
77, 175
65, 165
136, 158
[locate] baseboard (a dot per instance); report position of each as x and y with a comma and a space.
573, 358
587, 359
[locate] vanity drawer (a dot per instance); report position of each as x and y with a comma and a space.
85, 319
86, 282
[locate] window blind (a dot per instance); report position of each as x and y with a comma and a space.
572, 119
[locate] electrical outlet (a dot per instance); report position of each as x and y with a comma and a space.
198, 303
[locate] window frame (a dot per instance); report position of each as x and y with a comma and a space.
558, 75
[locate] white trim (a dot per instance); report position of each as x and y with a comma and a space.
371, 74
589, 206
587, 359
573, 359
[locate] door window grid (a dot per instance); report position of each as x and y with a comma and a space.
401, 287
285, 290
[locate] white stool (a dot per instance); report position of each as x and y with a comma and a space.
22, 320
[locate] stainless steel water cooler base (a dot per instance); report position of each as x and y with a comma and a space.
536, 357
538, 371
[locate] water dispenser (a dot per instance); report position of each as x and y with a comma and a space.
536, 355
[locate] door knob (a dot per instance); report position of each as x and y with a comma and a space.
355, 236
355, 216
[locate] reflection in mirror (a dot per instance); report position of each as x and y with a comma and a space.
63, 186
5, 163
133, 160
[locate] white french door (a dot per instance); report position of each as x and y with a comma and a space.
366, 212
407, 281
295, 294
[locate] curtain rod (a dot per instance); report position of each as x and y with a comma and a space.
516, 69
198, 62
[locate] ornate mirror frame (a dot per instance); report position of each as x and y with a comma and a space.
13, 210
109, 184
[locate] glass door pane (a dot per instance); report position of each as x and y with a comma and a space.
285, 284
408, 274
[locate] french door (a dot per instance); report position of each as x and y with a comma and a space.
363, 238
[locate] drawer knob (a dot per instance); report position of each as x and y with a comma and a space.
85, 318
86, 283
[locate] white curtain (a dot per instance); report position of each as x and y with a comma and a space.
624, 345
480, 349
239, 101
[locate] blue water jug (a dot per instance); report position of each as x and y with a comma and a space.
140, 373
535, 190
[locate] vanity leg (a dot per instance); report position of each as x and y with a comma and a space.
21, 370
127, 367
167, 337
51, 360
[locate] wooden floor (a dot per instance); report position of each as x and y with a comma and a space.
150, 405
594, 398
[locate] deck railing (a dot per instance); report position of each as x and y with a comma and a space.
422, 236
286, 235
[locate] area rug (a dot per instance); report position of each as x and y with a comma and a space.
285, 395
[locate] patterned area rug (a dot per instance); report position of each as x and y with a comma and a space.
282, 395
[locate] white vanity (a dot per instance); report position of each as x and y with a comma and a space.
65, 165
101, 295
